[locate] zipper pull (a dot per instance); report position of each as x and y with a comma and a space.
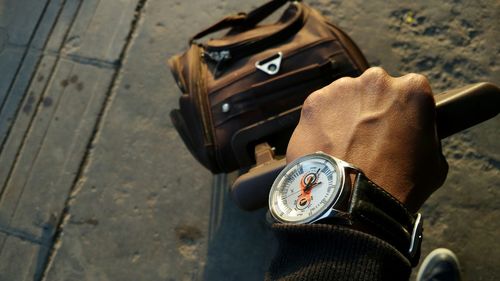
218, 56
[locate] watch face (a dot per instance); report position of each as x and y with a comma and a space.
305, 189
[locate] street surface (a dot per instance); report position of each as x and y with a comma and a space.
95, 183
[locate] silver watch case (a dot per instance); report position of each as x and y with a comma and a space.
333, 209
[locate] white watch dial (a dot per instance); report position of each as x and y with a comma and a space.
305, 189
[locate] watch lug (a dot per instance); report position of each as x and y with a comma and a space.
337, 214
348, 167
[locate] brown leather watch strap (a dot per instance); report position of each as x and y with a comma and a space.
384, 216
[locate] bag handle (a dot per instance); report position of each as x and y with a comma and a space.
262, 12
242, 19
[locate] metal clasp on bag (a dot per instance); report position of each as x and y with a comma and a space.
270, 65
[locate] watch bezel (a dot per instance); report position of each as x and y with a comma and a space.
337, 200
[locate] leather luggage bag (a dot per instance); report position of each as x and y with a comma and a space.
247, 87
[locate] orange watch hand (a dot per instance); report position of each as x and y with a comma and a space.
305, 195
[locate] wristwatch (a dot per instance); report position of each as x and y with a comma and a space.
317, 188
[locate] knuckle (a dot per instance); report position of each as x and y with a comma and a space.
342, 83
313, 98
318, 100
375, 77
311, 102
420, 88
374, 73
341, 86
418, 81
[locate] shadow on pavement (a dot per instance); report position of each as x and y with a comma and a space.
240, 244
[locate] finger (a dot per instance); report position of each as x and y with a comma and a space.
443, 168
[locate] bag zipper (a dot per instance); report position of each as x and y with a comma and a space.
198, 83
315, 74
249, 46
286, 55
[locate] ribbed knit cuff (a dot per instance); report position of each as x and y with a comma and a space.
331, 252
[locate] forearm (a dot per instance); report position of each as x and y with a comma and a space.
329, 252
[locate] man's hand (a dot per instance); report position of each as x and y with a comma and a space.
383, 125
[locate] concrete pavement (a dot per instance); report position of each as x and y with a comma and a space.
95, 184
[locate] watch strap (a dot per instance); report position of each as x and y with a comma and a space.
384, 216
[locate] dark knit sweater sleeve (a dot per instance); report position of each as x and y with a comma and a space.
331, 252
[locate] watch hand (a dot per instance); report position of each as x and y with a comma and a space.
312, 183
311, 186
308, 185
293, 193
305, 195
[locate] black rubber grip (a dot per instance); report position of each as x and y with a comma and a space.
462, 108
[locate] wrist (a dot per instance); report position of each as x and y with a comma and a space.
316, 188
377, 212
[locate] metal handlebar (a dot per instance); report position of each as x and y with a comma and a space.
456, 110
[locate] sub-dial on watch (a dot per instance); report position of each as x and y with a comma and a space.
317, 188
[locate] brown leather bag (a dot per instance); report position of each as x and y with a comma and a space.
248, 86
